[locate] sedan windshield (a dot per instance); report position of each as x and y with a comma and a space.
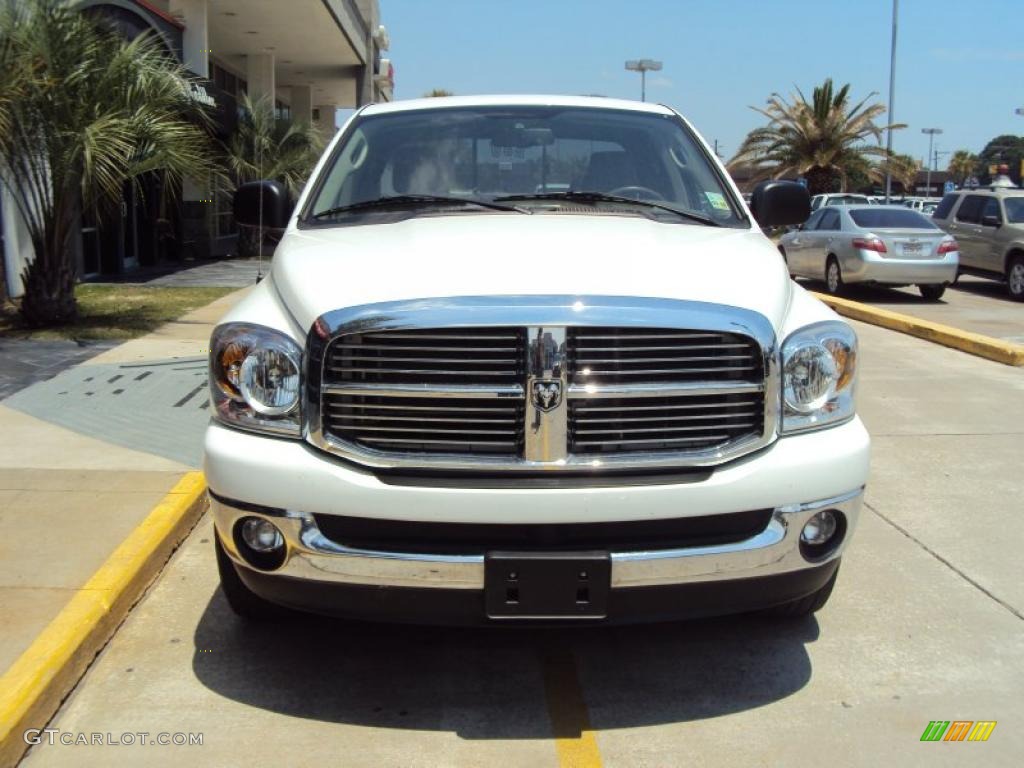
452, 160
890, 218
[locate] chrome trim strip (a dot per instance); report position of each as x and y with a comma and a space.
427, 390
546, 426
555, 311
311, 556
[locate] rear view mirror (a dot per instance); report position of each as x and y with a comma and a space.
780, 203
270, 197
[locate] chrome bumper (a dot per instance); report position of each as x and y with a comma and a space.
313, 557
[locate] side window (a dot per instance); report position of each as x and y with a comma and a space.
942, 212
830, 221
812, 222
970, 209
991, 216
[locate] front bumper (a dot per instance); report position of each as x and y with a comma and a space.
871, 267
288, 483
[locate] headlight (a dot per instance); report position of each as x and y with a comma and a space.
819, 365
256, 378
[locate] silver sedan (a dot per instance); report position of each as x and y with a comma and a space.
889, 245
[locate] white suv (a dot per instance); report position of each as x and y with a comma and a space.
529, 359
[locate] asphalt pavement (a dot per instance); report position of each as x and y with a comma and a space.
926, 623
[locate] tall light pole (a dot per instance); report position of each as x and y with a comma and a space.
643, 66
931, 139
892, 100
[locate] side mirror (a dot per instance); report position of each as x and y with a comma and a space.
271, 195
991, 221
778, 203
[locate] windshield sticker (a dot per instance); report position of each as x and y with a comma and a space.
717, 201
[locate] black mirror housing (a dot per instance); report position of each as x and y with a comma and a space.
780, 203
991, 221
272, 196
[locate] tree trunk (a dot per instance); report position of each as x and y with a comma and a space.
821, 180
50, 277
249, 242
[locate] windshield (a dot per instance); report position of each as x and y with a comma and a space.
890, 218
488, 153
1014, 209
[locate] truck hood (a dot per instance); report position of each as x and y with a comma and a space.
319, 270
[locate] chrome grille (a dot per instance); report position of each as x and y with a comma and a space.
552, 383
666, 417
632, 355
431, 391
663, 423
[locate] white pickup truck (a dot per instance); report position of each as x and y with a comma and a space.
529, 359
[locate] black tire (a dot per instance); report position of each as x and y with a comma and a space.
833, 283
805, 606
1015, 277
243, 601
932, 292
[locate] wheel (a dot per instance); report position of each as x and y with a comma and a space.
805, 606
243, 601
1015, 277
833, 276
932, 292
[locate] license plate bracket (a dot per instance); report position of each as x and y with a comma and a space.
547, 585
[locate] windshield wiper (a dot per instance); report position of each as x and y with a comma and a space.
411, 201
601, 197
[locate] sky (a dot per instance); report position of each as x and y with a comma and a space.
959, 63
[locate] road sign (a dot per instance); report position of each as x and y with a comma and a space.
947, 187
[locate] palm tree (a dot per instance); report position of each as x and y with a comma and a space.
82, 111
436, 93
820, 139
904, 169
962, 165
264, 147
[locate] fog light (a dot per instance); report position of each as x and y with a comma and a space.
261, 535
820, 528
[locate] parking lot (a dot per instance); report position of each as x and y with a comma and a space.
926, 624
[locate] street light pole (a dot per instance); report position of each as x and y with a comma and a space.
892, 100
643, 66
931, 139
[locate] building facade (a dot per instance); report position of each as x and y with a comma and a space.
310, 57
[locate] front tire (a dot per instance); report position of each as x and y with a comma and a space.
833, 276
242, 600
805, 606
932, 292
1015, 277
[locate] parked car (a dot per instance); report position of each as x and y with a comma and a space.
882, 244
989, 225
843, 198
608, 403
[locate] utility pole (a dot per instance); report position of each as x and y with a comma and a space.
643, 66
892, 101
931, 139
716, 150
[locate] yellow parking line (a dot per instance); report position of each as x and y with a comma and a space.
972, 343
32, 689
574, 738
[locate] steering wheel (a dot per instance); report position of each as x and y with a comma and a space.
637, 192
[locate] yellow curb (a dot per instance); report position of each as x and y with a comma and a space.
972, 343
32, 689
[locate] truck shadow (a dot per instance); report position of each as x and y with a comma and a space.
508, 683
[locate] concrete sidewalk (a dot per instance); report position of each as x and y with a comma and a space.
85, 456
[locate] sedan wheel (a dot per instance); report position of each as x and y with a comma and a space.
1015, 278
932, 292
833, 276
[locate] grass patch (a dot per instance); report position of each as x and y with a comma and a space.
115, 311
